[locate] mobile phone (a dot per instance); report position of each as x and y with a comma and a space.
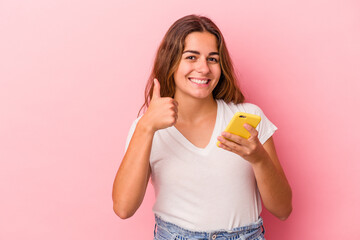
236, 124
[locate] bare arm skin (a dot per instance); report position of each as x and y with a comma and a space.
134, 172
133, 175
273, 186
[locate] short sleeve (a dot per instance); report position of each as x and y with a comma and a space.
131, 132
265, 128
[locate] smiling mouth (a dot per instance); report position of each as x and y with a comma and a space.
199, 80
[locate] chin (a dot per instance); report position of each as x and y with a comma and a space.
202, 96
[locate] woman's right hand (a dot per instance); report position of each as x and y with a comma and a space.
162, 111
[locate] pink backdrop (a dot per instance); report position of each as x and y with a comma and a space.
72, 75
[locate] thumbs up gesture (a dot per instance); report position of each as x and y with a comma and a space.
162, 111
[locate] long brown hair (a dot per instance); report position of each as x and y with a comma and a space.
169, 55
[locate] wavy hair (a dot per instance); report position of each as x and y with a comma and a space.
169, 54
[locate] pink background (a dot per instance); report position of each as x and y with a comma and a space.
72, 75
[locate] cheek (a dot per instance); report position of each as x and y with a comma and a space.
216, 70
179, 77
187, 69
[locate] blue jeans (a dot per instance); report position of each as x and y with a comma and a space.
169, 231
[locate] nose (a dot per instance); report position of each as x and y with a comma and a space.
202, 66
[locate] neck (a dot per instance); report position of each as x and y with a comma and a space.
192, 109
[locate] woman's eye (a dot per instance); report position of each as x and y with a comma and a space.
190, 57
213, 60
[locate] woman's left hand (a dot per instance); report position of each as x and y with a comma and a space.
274, 189
250, 149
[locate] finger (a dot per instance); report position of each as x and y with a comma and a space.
176, 106
251, 130
176, 103
156, 89
234, 138
229, 145
223, 146
175, 109
175, 120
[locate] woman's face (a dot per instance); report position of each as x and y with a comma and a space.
199, 70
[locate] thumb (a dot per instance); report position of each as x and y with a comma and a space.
156, 89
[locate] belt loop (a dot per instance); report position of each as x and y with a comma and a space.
155, 228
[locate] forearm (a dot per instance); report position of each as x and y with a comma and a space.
274, 188
133, 175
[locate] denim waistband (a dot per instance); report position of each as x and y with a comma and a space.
171, 231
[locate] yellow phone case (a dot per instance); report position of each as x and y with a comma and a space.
236, 125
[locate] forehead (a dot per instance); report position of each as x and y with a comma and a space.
201, 41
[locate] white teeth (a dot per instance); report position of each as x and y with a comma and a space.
199, 81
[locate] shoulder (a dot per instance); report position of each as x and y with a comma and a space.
241, 107
265, 128
134, 122
133, 126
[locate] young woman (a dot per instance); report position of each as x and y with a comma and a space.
202, 191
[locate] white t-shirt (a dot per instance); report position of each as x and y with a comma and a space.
205, 189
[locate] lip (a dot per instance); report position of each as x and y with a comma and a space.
201, 79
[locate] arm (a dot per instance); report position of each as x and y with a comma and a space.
273, 186
133, 175
134, 172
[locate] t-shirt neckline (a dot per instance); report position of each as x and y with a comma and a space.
189, 145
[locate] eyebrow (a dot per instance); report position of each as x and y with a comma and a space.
198, 53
